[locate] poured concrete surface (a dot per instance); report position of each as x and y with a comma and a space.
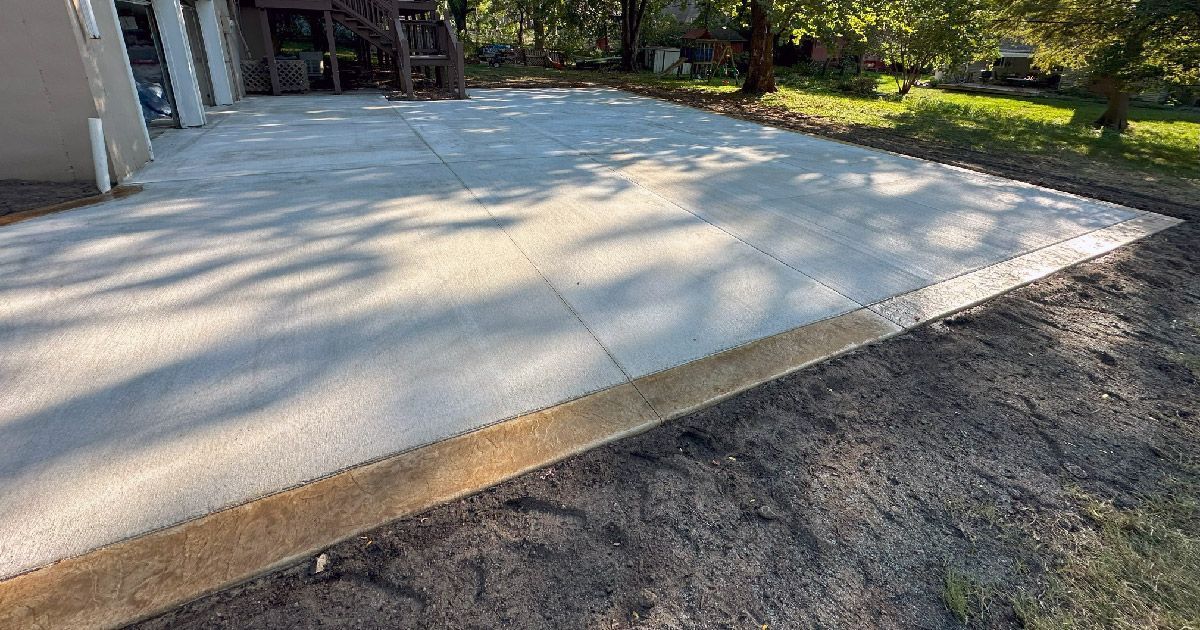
319, 281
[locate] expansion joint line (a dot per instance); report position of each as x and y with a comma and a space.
674, 204
561, 298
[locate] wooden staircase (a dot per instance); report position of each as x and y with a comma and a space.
412, 34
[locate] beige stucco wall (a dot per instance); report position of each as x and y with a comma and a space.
54, 79
114, 94
46, 101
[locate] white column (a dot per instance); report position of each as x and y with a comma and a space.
184, 85
214, 49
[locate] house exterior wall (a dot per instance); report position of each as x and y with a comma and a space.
55, 78
111, 83
47, 101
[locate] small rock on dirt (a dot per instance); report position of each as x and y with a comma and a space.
321, 563
1076, 471
647, 599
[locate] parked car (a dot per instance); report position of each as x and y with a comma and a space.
497, 54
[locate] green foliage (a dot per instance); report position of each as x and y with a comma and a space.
1128, 42
916, 35
957, 594
573, 26
860, 85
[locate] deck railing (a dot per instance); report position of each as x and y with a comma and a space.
375, 13
422, 36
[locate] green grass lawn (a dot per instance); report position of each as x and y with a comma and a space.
1161, 141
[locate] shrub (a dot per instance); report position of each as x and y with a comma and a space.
862, 85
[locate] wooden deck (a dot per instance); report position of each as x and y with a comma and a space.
409, 35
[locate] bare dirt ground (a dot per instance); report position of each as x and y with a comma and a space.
17, 195
841, 496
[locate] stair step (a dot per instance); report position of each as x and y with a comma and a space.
415, 6
430, 60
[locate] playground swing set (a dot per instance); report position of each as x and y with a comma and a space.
708, 59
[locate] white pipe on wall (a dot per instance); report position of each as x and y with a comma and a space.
88, 16
99, 154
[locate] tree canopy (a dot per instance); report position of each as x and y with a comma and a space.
1120, 45
914, 36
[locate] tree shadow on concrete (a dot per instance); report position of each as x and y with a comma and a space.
284, 332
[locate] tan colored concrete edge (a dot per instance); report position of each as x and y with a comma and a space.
967, 290
142, 576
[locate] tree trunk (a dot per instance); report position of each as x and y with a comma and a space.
760, 78
458, 10
539, 34
1116, 115
631, 32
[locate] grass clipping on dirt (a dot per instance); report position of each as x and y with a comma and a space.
1137, 568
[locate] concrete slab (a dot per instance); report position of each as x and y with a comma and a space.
657, 285
256, 150
213, 341
141, 576
381, 276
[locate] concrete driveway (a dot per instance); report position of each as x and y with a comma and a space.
315, 282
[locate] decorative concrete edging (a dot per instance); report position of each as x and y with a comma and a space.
142, 576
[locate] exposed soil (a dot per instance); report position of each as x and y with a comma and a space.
18, 195
836, 497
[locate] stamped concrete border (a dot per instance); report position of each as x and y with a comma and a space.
148, 574
941, 299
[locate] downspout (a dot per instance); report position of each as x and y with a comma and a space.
99, 154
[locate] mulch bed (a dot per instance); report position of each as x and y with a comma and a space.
18, 195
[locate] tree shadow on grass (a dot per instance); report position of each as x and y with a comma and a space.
991, 129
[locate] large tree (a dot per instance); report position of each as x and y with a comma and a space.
633, 13
458, 11
916, 35
760, 77
836, 23
770, 21
1121, 46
